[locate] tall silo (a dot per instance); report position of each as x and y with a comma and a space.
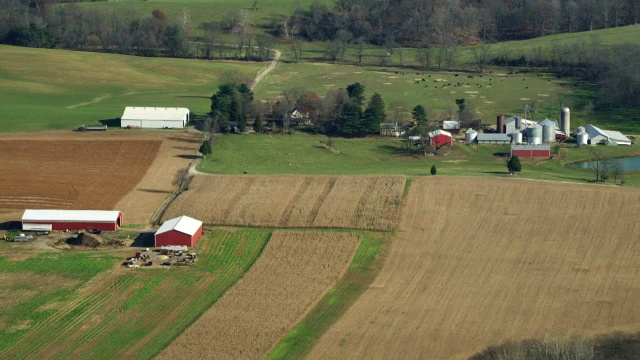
582, 137
518, 122
534, 134
470, 136
565, 121
500, 124
548, 133
516, 137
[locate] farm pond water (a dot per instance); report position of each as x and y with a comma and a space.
631, 163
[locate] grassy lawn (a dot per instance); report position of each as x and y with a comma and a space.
302, 154
46, 89
125, 313
364, 268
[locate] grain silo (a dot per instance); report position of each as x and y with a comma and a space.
518, 122
565, 121
582, 137
516, 137
548, 133
470, 136
500, 124
534, 134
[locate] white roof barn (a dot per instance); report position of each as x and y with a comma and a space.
70, 215
154, 117
599, 136
183, 224
450, 125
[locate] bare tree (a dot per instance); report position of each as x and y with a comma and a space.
481, 55
600, 164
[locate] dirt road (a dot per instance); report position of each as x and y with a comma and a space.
481, 261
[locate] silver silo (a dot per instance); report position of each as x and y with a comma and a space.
470, 136
518, 122
582, 137
548, 133
565, 121
516, 137
534, 134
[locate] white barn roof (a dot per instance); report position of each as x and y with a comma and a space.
439, 132
70, 215
616, 136
450, 125
154, 113
183, 224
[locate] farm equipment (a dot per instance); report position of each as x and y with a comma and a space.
84, 128
94, 231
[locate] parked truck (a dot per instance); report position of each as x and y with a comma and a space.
84, 128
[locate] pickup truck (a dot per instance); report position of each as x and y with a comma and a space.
92, 128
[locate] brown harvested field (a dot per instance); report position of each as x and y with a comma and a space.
481, 261
294, 271
356, 202
133, 172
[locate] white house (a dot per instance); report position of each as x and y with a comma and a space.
599, 136
154, 117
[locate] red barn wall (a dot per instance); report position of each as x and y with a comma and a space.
62, 226
441, 140
531, 153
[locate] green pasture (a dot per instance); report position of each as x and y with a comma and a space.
132, 313
303, 154
44, 89
362, 271
492, 93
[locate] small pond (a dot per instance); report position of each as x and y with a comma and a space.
628, 163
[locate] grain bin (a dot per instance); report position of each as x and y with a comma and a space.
470, 136
516, 137
582, 137
548, 133
565, 121
534, 134
500, 124
518, 122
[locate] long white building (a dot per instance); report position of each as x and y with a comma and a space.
599, 136
154, 117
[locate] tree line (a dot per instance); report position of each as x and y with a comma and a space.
414, 22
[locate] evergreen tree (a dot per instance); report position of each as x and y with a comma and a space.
231, 103
350, 120
257, 124
419, 114
356, 94
514, 165
434, 170
205, 148
374, 114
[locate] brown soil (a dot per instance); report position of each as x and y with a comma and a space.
478, 262
293, 272
360, 202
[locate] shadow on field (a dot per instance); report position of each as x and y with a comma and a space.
496, 172
10, 225
393, 150
190, 157
193, 96
156, 191
110, 122
184, 140
145, 239
501, 154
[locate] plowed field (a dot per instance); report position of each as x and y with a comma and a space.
132, 171
293, 272
357, 202
481, 261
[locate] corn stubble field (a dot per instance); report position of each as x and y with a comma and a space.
353, 202
293, 272
477, 262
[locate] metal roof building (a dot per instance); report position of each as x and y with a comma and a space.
599, 136
440, 137
450, 125
154, 117
182, 230
61, 220
542, 150
493, 138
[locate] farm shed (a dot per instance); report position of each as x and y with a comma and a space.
515, 123
599, 136
182, 230
440, 137
450, 125
154, 117
390, 129
542, 150
493, 138
61, 220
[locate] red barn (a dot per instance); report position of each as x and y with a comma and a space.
61, 220
183, 231
440, 137
542, 150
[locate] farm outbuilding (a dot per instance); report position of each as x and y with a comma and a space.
154, 117
440, 137
542, 150
390, 129
450, 125
599, 136
493, 138
182, 230
61, 220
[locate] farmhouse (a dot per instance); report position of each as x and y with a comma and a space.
599, 136
61, 220
542, 150
390, 129
182, 230
154, 117
493, 138
440, 137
